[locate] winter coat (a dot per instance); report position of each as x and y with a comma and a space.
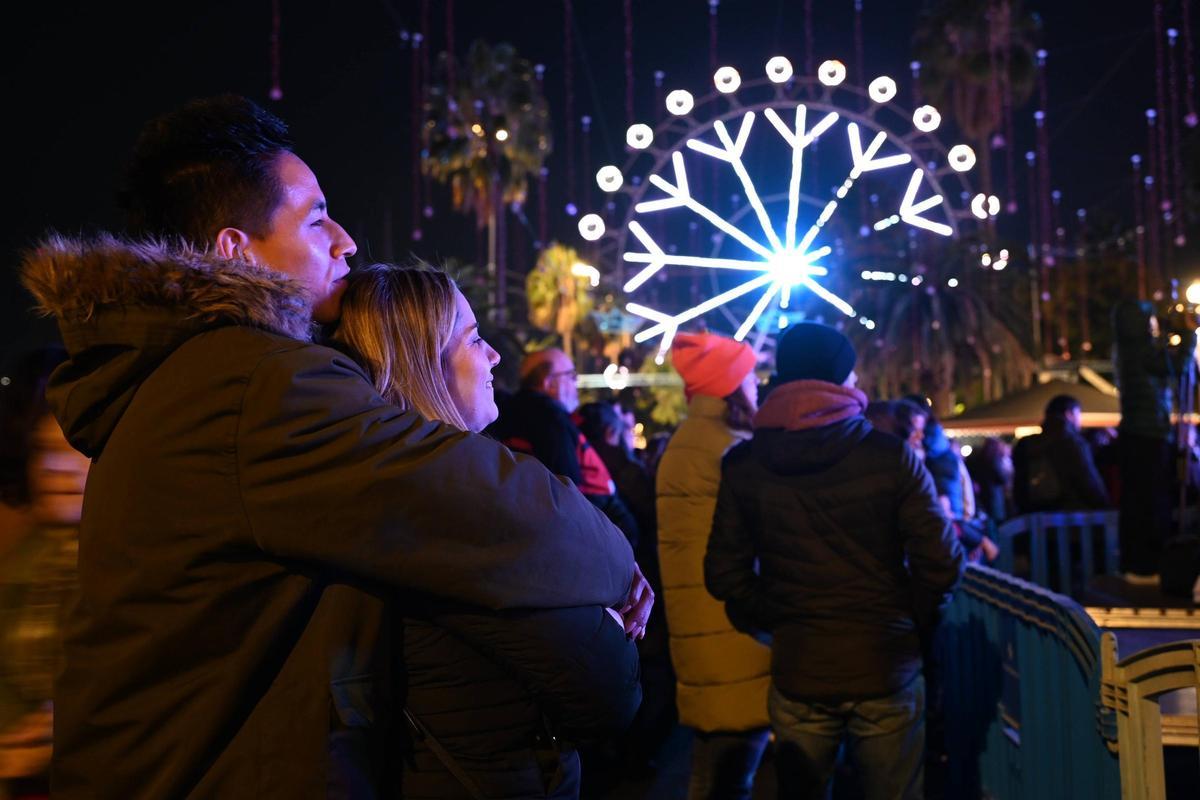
722, 675
508, 695
946, 468
854, 556
533, 422
1146, 370
1054, 471
251, 503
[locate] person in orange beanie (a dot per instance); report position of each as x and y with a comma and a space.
722, 676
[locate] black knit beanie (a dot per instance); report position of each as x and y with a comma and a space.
810, 351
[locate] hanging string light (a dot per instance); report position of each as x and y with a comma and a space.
1064, 283
1159, 167
426, 184
276, 92
1150, 190
569, 83
628, 64
808, 38
1009, 127
1085, 323
539, 71
450, 64
418, 111
1175, 117
1139, 227
1189, 65
858, 45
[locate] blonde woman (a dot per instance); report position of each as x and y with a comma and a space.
493, 701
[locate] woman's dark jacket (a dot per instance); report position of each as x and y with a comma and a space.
1054, 471
251, 500
854, 557
509, 694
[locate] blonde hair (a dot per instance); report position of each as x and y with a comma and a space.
398, 321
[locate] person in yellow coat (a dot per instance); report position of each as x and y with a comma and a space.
722, 676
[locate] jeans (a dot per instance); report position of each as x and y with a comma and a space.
724, 763
885, 738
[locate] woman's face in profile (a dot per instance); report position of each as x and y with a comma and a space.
57, 474
469, 364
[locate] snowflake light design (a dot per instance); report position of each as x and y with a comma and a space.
784, 260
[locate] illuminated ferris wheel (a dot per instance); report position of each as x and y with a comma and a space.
822, 173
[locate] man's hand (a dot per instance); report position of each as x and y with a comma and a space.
636, 610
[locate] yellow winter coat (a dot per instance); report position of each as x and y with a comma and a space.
722, 675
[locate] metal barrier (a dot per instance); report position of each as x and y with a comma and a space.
1061, 532
1022, 688
1133, 688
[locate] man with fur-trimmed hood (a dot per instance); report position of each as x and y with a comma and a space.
253, 500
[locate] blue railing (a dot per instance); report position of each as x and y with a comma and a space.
1022, 672
1066, 549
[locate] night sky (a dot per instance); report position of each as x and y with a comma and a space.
82, 78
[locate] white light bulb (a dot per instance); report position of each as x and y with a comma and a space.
779, 69
610, 178
727, 80
952, 283
1193, 293
639, 136
993, 205
831, 72
977, 205
591, 227
680, 102
501, 135
882, 89
927, 119
962, 158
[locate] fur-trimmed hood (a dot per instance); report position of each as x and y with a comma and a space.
124, 306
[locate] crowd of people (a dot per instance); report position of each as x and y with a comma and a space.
319, 554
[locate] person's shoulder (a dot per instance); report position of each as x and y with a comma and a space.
739, 455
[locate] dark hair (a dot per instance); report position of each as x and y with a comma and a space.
206, 166
906, 412
597, 418
22, 404
1061, 405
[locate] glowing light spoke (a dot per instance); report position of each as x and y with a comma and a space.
733, 154
866, 161
655, 261
798, 140
911, 213
679, 196
697, 310
704, 262
759, 308
829, 297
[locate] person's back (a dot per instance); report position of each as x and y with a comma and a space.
252, 493
828, 535
722, 676
1054, 470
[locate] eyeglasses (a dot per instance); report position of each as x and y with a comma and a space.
566, 373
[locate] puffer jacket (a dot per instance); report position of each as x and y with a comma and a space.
722, 675
1146, 370
509, 695
252, 505
854, 557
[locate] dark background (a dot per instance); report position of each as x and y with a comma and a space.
80, 80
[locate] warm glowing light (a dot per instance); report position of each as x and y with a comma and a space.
639, 136
501, 135
477, 129
1193, 293
727, 80
609, 177
680, 102
986, 259
779, 69
832, 72
591, 227
882, 89
962, 158
927, 119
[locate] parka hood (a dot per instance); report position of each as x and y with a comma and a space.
124, 306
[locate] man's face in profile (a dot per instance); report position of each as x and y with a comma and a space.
304, 242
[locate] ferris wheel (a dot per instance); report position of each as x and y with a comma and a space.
767, 189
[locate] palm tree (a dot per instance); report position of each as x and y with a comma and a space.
942, 340
485, 134
557, 293
963, 46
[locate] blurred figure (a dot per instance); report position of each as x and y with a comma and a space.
991, 469
1053, 470
945, 465
495, 702
541, 420
723, 675
44, 477
829, 536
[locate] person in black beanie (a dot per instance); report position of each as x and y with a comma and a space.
855, 560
